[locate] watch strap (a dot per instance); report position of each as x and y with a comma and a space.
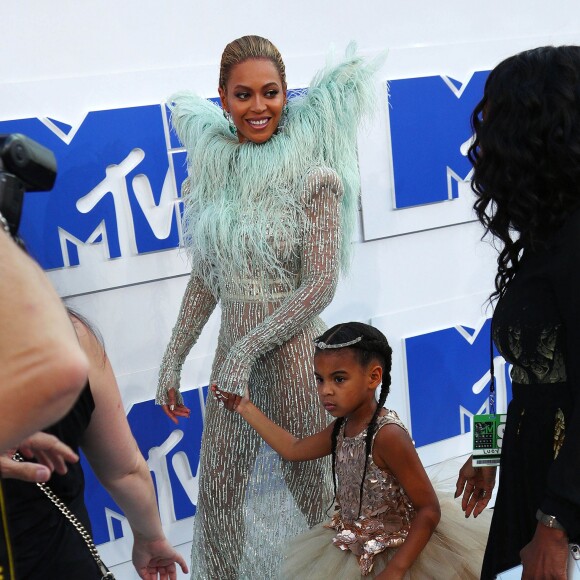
549, 521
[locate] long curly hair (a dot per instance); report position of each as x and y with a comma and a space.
373, 346
526, 152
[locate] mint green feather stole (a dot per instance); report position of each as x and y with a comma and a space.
243, 205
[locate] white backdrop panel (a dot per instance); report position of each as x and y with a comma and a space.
64, 59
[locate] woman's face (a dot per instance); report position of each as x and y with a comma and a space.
255, 97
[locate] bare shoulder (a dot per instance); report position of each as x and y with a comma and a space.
88, 340
392, 433
392, 443
389, 422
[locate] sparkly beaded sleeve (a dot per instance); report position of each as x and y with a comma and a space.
196, 306
318, 278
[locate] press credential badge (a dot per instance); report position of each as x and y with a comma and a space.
487, 439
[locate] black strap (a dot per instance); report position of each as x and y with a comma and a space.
491, 371
6, 559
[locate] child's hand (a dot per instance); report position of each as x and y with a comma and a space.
230, 401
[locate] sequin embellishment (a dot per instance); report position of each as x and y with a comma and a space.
559, 432
387, 511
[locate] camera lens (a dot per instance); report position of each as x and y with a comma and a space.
19, 155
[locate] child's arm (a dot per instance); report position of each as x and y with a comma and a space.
394, 450
280, 440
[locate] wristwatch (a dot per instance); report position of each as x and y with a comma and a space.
549, 521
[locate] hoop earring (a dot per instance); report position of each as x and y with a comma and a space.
228, 118
283, 120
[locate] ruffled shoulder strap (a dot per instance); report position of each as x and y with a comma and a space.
391, 418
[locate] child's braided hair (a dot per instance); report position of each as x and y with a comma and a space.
372, 345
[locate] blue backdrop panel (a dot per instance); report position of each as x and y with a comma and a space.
105, 139
429, 123
442, 368
151, 429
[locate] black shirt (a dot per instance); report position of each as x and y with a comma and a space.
45, 544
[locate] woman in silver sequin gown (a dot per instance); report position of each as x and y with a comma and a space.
267, 220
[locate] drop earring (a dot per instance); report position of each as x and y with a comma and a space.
283, 120
228, 118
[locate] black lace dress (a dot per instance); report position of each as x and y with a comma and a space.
536, 327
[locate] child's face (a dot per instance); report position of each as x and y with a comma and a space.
344, 386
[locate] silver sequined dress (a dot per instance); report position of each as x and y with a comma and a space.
265, 228
271, 332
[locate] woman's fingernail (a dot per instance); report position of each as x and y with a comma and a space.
172, 407
42, 474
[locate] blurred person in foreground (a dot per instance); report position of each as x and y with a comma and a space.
42, 366
42, 371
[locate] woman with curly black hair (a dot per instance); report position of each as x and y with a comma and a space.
526, 159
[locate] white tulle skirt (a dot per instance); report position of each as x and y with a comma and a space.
454, 552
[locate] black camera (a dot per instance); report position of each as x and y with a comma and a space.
25, 165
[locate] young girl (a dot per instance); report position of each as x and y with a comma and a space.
387, 513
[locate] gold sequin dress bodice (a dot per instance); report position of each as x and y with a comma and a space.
386, 511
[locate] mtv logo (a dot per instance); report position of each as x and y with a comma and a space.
172, 454
448, 374
430, 134
116, 202
116, 193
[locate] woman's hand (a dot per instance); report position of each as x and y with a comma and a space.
174, 411
50, 454
156, 559
476, 484
230, 401
546, 556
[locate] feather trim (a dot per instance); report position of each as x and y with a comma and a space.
243, 209
328, 117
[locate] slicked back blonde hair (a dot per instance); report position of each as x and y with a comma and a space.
248, 47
